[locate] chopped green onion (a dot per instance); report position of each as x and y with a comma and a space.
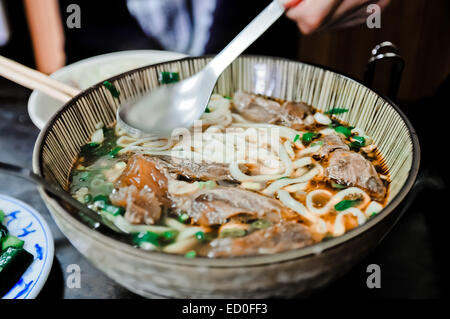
168, 236
111, 88
296, 138
101, 201
336, 111
207, 184
233, 232
227, 97
113, 210
183, 217
200, 235
11, 241
2, 216
346, 131
168, 77
115, 151
87, 198
207, 110
84, 176
372, 214
359, 140
93, 144
146, 237
346, 204
308, 137
317, 143
260, 224
337, 186
283, 177
190, 254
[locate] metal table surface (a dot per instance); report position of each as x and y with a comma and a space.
409, 259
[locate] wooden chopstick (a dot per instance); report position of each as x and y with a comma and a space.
36, 80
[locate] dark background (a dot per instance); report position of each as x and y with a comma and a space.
413, 257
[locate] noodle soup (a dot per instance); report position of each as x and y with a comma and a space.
254, 176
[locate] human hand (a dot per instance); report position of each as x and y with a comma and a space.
314, 15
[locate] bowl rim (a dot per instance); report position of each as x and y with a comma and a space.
243, 261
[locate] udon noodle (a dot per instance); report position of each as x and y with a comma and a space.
254, 176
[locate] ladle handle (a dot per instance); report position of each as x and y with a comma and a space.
250, 33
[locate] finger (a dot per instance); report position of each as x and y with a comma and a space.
311, 14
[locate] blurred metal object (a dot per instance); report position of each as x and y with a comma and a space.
386, 51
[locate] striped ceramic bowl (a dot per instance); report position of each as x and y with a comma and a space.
154, 274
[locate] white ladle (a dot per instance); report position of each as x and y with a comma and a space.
178, 105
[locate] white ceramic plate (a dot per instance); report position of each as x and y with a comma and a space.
27, 224
85, 73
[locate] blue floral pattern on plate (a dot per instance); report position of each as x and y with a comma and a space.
27, 224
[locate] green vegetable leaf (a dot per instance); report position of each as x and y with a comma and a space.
308, 137
296, 138
168, 77
346, 204
2, 216
111, 88
346, 131
336, 111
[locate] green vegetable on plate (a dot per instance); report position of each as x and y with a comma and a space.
14, 259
